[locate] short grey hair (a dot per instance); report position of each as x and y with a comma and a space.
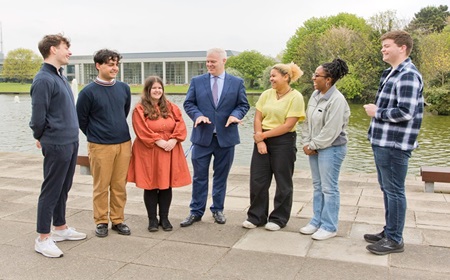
221, 52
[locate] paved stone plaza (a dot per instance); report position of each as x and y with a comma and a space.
211, 251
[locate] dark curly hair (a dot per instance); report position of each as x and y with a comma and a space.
151, 110
335, 69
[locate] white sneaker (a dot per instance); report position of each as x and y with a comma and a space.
47, 247
308, 229
67, 234
322, 234
272, 226
248, 225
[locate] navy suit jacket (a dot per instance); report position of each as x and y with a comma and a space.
199, 102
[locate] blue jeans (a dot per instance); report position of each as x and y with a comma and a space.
392, 166
325, 168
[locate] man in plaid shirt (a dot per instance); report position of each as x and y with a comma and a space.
396, 119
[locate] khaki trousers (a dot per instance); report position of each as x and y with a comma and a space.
109, 167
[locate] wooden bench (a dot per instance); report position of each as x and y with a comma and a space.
83, 162
431, 174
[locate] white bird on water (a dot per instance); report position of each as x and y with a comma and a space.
16, 99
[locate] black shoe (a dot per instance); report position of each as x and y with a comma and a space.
373, 238
153, 224
165, 223
219, 217
101, 230
190, 220
121, 229
385, 246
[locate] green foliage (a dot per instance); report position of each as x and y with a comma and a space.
265, 79
350, 86
386, 21
438, 99
21, 65
429, 19
251, 65
435, 57
235, 72
345, 36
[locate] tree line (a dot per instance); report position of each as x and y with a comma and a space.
357, 41
319, 40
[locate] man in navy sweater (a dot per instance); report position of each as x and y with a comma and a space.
102, 108
55, 127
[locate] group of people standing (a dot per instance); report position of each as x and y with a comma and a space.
216, 102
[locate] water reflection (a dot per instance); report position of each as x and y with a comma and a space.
16, 136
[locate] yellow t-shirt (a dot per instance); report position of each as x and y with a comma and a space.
275, 112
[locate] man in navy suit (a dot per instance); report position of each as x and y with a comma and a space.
216, 102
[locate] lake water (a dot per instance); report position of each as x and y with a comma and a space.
16, 136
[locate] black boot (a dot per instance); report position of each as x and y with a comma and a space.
153, 224
165, 223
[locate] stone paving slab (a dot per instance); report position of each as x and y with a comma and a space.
207, 250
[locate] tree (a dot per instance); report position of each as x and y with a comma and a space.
251, 65
21, 65
435, 57
345, 36
386, 21
429, 19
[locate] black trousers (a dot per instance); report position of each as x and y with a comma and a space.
59, 167
278, 162
153, 198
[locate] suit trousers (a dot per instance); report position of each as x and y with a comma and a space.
109, 167
278, 162
59, 167
201, 160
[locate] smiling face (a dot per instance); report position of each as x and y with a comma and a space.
108, 71
215, 63
278, 80
392, 53
321, 80
62, 53
156, 91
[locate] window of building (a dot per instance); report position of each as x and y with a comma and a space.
132, 73
90, 72
196, 68
175, 73
153, 69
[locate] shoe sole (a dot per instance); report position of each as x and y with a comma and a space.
59, 239
186, 225
371, 241
249, 226
153, 229
307, 232
101, 235
387, 252
48, 256
121, 233
323, 238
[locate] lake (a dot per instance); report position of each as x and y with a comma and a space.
434, 149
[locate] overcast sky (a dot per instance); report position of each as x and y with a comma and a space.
177, 25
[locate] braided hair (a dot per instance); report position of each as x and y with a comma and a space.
335, 69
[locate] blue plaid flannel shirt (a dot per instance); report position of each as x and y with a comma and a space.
400, 108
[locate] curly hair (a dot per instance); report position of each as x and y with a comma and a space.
335, 69
154, 110
292, 70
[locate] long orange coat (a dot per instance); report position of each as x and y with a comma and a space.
151, 167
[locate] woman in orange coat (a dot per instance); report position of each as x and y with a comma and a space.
158, 163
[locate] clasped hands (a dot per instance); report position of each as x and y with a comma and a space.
203, 119
166, 145
308, 151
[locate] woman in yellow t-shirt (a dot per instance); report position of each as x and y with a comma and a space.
278, 111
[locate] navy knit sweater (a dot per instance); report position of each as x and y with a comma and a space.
53, 114
102, 112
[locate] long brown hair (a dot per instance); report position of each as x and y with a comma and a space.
154, 111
